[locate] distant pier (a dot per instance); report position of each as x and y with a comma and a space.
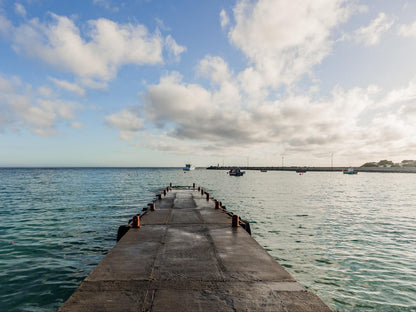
320, 169
186, 252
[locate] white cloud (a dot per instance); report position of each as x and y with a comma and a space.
45, 92
5, 26
407, 30
173, 48
371, 34
106, 4
127, 122
224, 19
226, 91
77, 125
349, 122
6, 86
161, 25
170, 100
20, 9
214, 68
285, 39
22, 109
243, 113
94, 56
69, 86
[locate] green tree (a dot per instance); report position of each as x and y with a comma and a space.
369, 164
408, 163
385, 163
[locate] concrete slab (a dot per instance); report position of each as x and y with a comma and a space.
243, 258
133, 256
159, 216
187, 257
187, 254
109, 299
185, 216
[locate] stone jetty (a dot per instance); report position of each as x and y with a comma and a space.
186, 252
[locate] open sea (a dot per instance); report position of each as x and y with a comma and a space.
351, 239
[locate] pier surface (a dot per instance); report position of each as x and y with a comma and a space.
187, 257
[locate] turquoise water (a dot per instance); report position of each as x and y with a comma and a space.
349, 239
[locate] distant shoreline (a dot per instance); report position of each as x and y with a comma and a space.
255, 168
321, 169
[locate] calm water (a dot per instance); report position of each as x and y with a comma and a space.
350, 239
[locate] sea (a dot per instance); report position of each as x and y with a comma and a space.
351, 239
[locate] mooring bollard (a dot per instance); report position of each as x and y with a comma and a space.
152, 206
217, 204
136, 221
207, 196
164, 192
199, 188
159, 196
170, 184
235, 221
202, 192
193, 186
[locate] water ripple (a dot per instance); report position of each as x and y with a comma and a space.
351, 240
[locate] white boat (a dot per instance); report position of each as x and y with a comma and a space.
349, 171
188, 167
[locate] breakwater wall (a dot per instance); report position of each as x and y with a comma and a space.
318, 169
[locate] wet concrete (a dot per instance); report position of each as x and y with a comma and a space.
187, 257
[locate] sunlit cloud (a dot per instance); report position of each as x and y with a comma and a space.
407, 30
23, 109
173, 48
20, 9
127, 122
69, 86
95, 55
284, 40
224, 19
371, 34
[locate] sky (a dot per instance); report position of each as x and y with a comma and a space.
240, 82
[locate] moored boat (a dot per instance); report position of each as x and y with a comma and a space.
349, 171
236, 172
188, 167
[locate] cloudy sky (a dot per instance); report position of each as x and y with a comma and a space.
163, 83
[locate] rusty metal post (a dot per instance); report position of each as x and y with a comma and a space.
152, 206
235, 221
217, 204
207, 195
136, 221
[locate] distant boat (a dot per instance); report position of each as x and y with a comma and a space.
236, 172
300, 171
188, 167
263, 170
349, 171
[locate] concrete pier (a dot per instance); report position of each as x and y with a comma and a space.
186, 256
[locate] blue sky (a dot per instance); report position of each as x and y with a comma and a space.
163, 83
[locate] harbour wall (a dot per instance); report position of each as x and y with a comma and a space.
320, 169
